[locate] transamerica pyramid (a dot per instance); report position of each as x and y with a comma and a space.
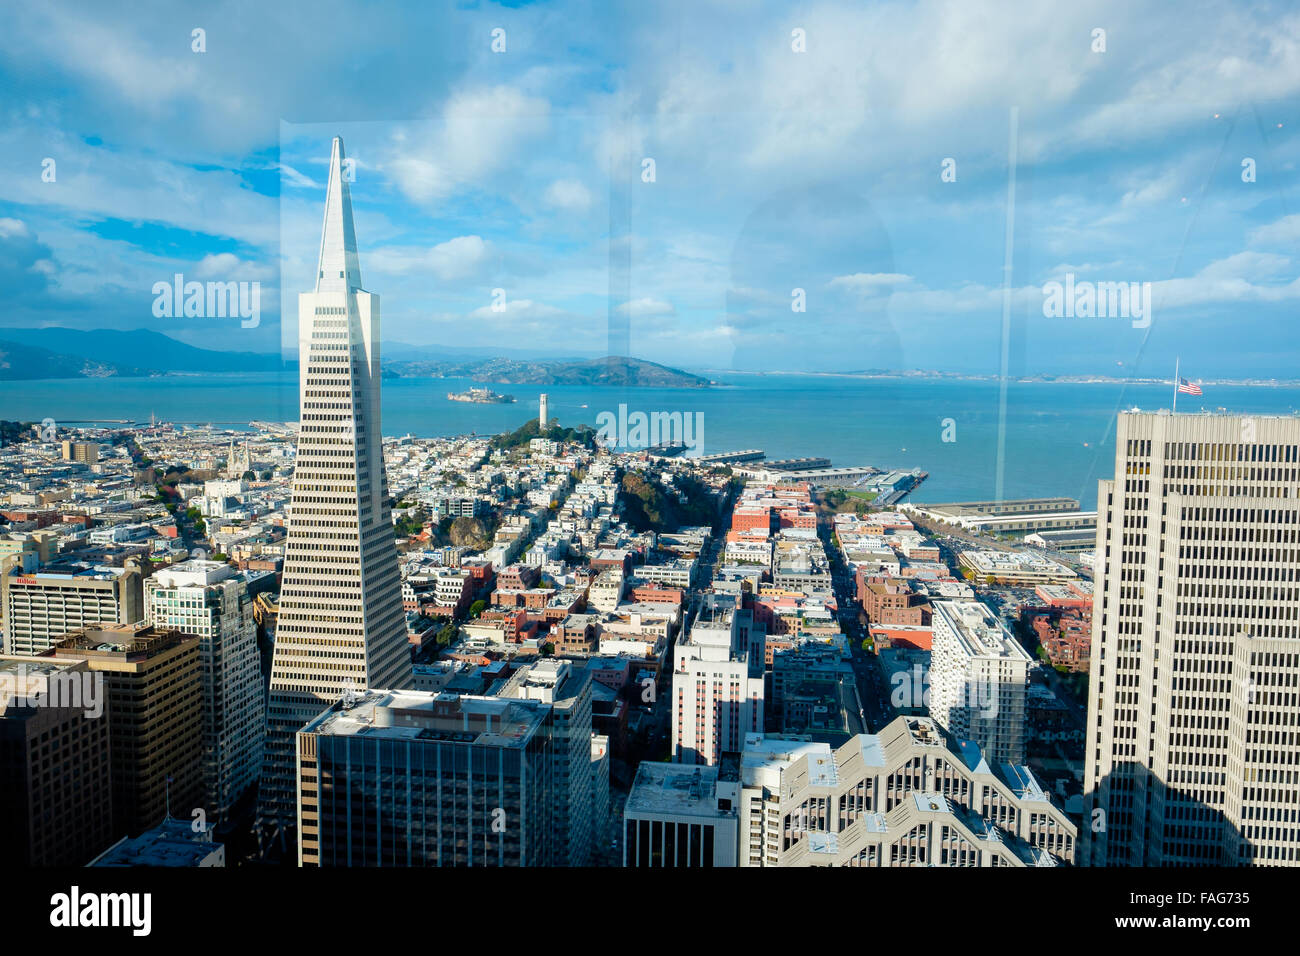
341, 624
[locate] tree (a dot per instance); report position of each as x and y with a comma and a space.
477, 608
548, 649
447, 635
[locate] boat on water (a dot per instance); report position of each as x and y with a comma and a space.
481, 396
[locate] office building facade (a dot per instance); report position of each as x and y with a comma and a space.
209, 600
155, 699
1193, 718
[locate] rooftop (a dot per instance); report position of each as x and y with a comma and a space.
977, 630
677, 789
430, 716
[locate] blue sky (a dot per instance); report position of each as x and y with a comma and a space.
775, 170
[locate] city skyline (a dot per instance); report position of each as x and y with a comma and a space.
804, 436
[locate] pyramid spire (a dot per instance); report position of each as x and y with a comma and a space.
338, 269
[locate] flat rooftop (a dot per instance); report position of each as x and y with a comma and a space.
977, 630
171, 843
433, 716
676, 789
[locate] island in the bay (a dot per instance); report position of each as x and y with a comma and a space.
481, 396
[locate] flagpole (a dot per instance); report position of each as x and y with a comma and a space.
1177, 360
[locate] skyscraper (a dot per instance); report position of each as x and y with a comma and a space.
979, 675
155, 726
1193, 717
209, 600
717, 688
55, 784
341, 624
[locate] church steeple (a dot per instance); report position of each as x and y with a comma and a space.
338, 269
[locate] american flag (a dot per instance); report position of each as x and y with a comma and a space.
1191, 388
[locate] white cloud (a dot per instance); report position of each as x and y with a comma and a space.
517, 309
1286, 229
227, 266
869, 282
295, 178
482, 131
460, 258
646, 307
568, 194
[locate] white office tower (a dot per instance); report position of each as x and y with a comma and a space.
341, 624
568, 692
717, 688
910, 795
209, 600
543, 413
979, 675
1193, 716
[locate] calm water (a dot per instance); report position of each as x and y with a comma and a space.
1058, 439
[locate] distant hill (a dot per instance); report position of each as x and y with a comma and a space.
20, 362
63, 353
405, 352
122, 349
616, 370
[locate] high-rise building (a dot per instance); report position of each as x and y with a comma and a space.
209, 600
601, 830
979, 675
42, 606
717, 688
155, 696
1193, 717
543, 412
511, 778
911, 795
412, 778
55, 783
86, 452
567, 689
341, 624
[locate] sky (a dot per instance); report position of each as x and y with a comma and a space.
818, 187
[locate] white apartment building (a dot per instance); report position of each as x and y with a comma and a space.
209, 599
678, 574
908, 796
1194, 721
979, 675
717, 688
567, 689
606, 591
